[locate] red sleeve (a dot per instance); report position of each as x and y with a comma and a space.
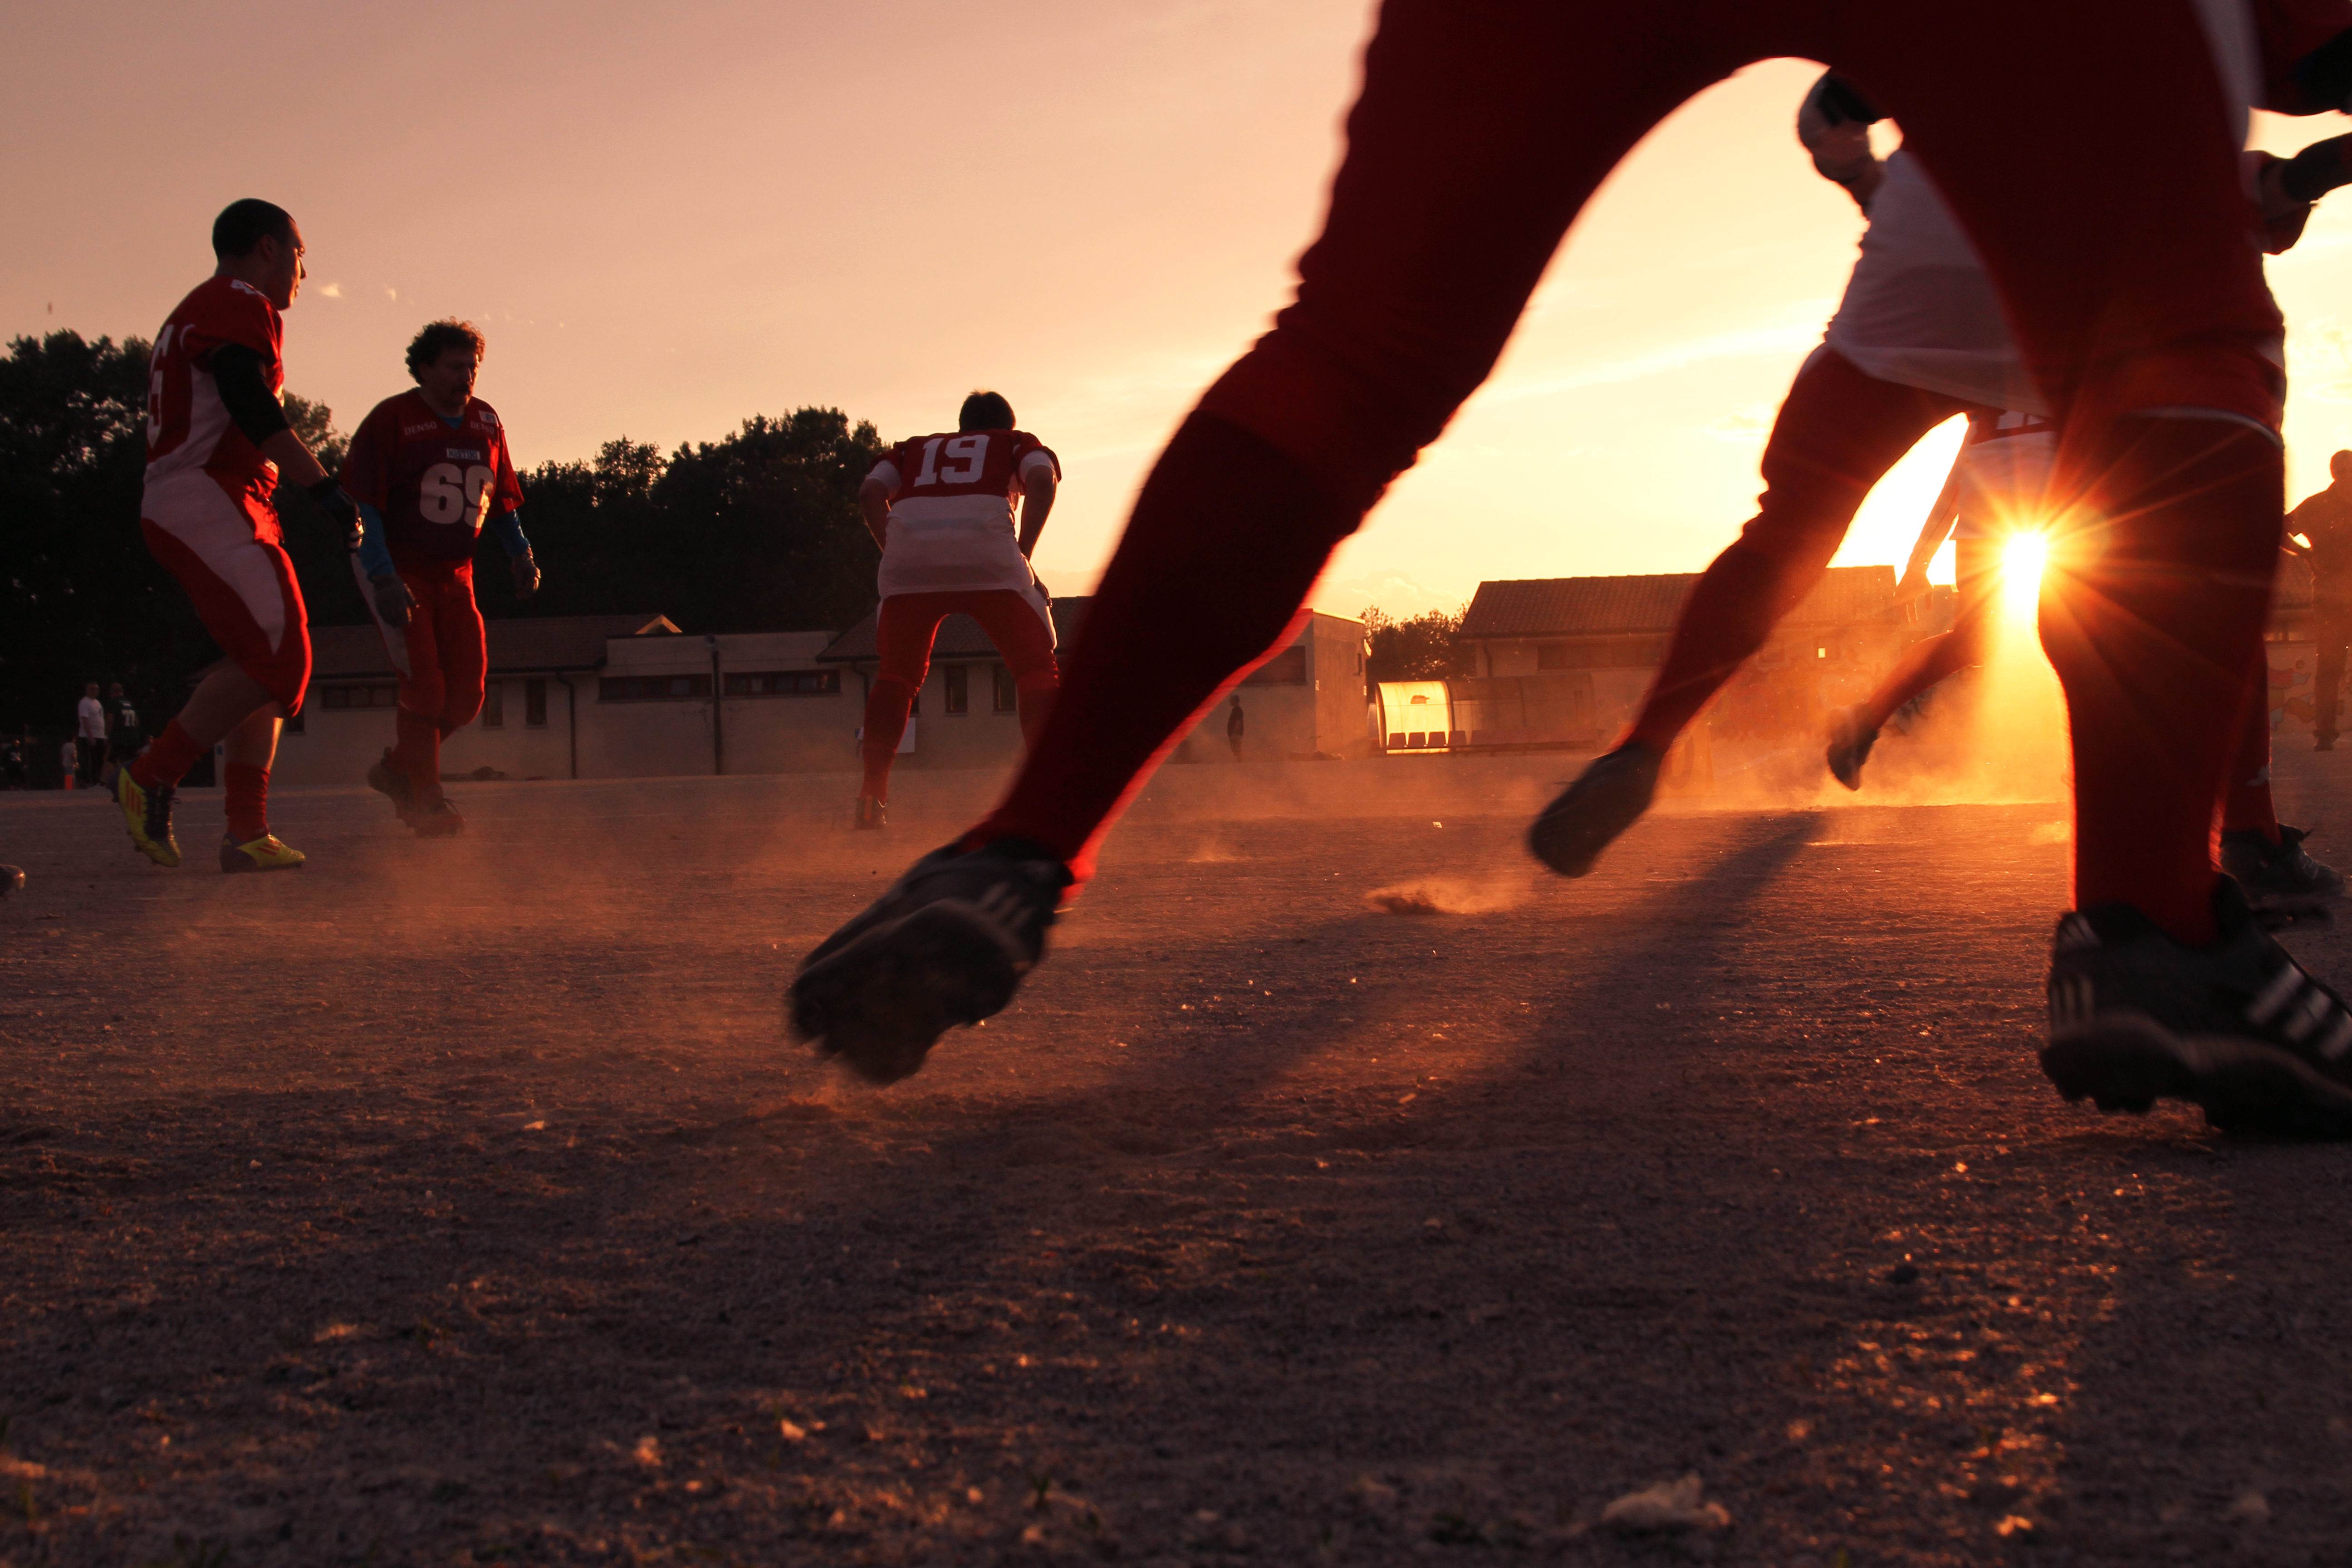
1025, 444
510, 488
234, 313
897, 458
366, 471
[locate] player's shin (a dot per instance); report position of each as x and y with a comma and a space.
419, 753
2151, 614
246, 801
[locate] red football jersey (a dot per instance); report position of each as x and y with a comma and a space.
188, 426
435, 482
951, 499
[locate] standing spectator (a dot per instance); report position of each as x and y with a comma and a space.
123, 735
2320, 531
16, 762
90, 736
1233, 726
69, 764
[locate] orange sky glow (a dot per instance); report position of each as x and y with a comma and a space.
665, 221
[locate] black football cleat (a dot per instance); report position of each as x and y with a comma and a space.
947, 944
1850, 746
1609, 797
2281, 876
2238, 1029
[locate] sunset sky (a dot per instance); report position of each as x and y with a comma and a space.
668, 220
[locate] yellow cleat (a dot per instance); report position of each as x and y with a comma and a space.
266, 853
149, 814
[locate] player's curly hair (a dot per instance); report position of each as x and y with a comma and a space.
985, 411
438, 339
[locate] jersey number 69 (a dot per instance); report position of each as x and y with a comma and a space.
445, 495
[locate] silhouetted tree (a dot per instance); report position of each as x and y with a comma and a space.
1421, 648
757, 531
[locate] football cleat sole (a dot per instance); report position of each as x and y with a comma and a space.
2126, 1061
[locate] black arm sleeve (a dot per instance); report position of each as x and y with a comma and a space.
236, 370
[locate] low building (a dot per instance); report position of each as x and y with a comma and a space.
1563, 662
634, 697
1307, 701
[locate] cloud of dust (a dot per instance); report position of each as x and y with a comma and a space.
1993, 735
1447, 895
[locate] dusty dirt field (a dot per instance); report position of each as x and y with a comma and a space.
460, 1203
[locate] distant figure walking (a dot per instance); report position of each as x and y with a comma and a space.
90, 736
2323, 524
1234, 725
69, 764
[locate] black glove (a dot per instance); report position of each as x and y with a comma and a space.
392, 599
1839, 101
337, 503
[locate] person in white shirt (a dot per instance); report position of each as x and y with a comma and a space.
90, 736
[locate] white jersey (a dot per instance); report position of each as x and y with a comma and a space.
951, 513
1919, 309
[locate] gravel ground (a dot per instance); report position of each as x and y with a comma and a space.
459, 1202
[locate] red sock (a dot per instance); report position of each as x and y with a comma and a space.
166, 760
418, 754
886, 725
2246, 804
2153, 638
248, 801
1227, 537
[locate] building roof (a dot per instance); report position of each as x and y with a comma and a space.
539, 643
959, 636
1617, 607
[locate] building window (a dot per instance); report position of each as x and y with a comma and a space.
494, 704
1288, 668
784, 683
1006, 695
652, 688
957, 680
534, 704
334, 696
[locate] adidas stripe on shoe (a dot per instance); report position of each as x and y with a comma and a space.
2238, 1029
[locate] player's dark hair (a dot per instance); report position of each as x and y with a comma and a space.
241, 224
438, 339
985, 411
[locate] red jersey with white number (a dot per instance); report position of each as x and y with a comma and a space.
951, 510
434, 481
189, 429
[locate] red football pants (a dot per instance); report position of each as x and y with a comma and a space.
1482, 129
441, 656
906, 626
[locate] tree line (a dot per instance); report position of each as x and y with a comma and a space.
756, 531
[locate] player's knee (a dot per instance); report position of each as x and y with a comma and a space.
459, 710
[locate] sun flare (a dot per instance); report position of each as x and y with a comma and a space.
2021, 560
